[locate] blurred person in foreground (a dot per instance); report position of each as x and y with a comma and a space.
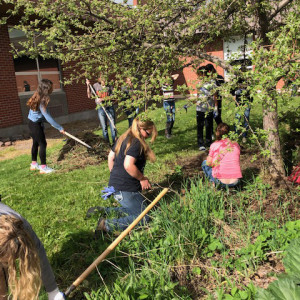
24, 265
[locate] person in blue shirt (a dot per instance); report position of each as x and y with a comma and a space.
38, 114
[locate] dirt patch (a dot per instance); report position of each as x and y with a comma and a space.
21, 147
14, 148
201, 276
73, 155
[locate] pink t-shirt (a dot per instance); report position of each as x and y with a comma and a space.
225, 155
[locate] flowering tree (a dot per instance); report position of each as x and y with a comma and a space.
149, 41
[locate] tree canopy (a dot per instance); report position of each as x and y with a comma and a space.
149, 41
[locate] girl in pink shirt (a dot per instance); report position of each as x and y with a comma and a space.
222, 165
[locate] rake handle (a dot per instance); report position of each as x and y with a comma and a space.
114, 243
108, 116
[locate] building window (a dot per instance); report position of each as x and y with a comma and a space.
238, 52
128, 2
30, 71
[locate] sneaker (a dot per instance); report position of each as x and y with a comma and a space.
168, 136
45, 170
244, 140
34, 167
101, 228
95, 209
202, 148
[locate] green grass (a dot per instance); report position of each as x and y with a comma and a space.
182, 230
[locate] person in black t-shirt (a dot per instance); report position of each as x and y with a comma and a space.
243, 99
126, 162
219, 81
128, 94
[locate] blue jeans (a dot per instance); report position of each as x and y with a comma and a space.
104, 119
131, 114
246, 121
132, 204
208, 173
169, 107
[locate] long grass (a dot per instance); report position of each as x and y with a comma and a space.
197, 226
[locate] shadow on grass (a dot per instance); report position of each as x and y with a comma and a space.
77, 253
181, 140
249, 174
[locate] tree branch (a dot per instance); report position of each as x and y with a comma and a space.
280, 7
214, 59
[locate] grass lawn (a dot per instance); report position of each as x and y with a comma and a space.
56, 205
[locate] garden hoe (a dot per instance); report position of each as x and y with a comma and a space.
114, 244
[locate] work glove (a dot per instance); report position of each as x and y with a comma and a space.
56, 295
107, 192
215, 112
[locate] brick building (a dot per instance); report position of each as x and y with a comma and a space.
19, 78
18, 81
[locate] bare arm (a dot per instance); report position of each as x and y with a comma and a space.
215, 99
175, 76
88, 91
209, 161
132, 170
111, 159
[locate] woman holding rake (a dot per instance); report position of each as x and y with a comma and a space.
38, 114
126, 162
23, 261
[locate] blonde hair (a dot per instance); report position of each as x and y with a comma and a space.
134, 132
41, 95
19, 256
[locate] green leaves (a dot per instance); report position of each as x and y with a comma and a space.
287, 286
282, 289
292, 259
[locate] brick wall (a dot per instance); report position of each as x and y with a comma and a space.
10, 109
189, 76
76, 96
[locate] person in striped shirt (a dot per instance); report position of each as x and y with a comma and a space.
169, 103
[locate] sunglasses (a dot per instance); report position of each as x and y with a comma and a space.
147, 132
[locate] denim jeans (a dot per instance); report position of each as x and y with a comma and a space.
246, 121
206, 119
132, 204
104, 119
208, 173
169, 107
131, 114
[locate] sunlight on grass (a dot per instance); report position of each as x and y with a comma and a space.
202, 224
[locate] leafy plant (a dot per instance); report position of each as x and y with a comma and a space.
287, 287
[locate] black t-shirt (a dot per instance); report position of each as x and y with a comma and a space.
119, 178
242, 95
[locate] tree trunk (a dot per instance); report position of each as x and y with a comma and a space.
274, 160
